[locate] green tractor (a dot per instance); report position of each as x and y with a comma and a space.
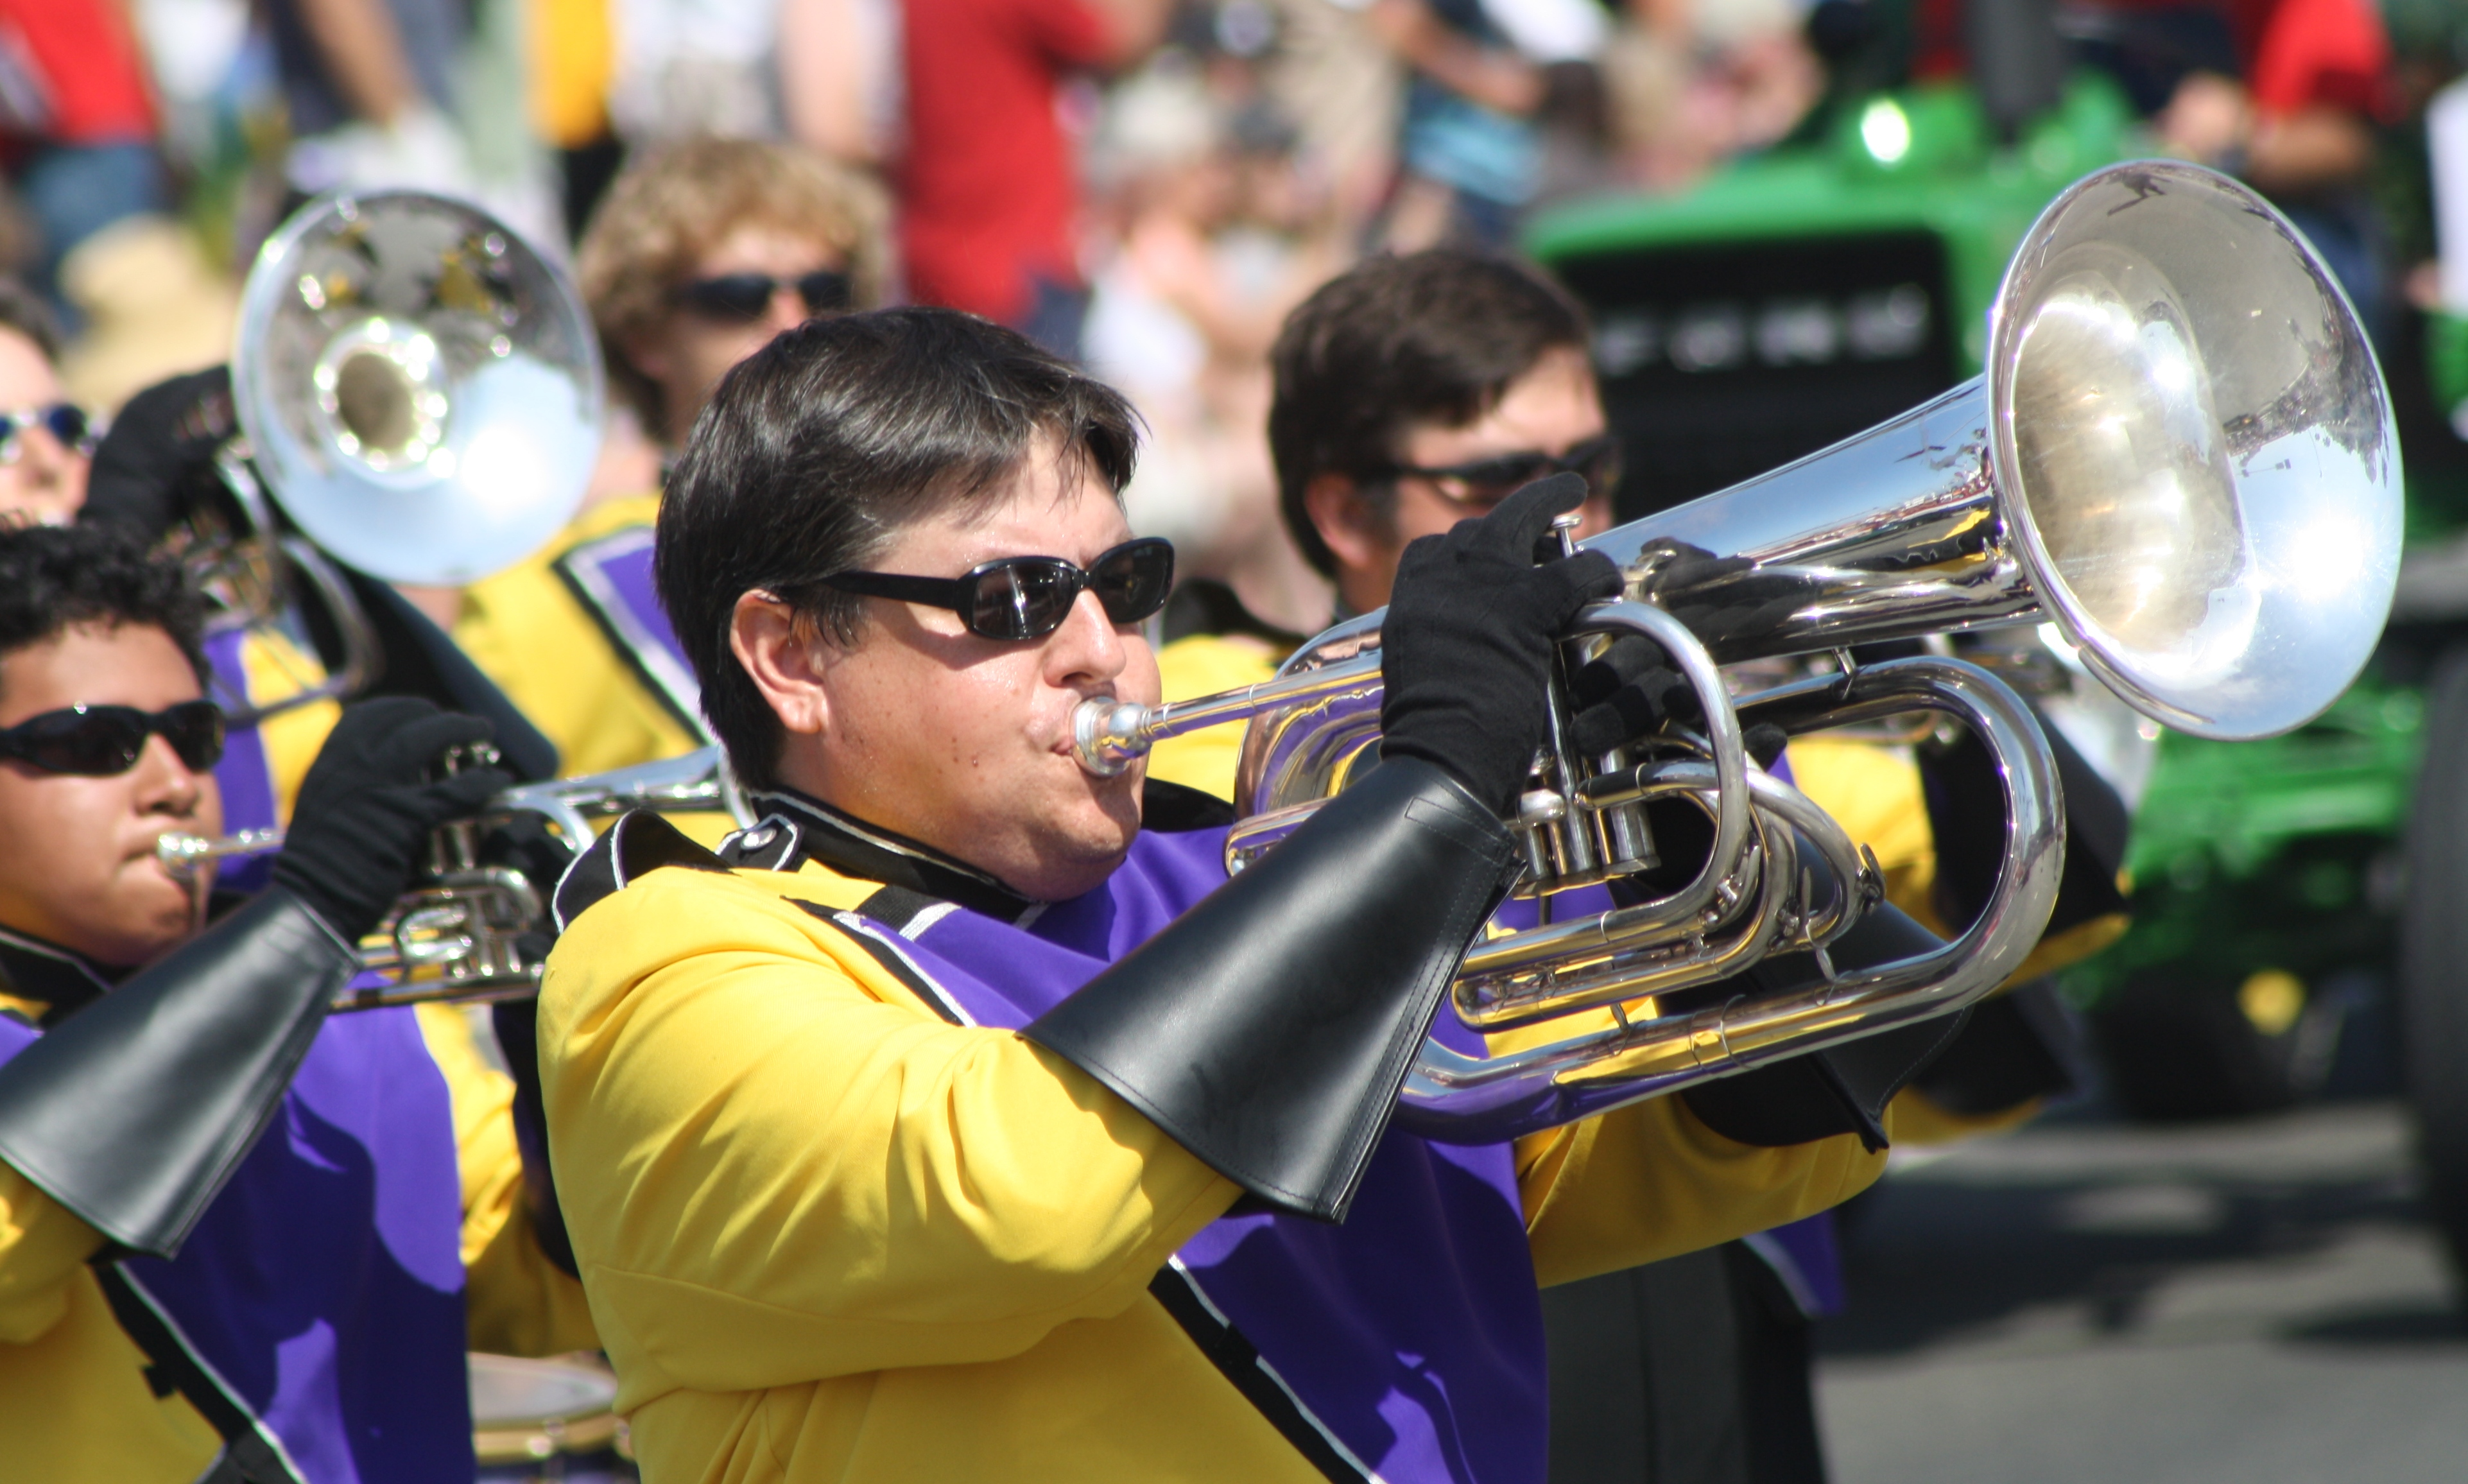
1804, 295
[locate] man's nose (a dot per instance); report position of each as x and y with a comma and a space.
1087, 648
41, 458
166, 784
787, 310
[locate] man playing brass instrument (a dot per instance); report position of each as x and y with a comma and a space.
962, 1120
237, 1241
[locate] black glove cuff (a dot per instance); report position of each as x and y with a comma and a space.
135, 1111
1271, 1027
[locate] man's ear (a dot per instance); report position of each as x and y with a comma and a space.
787, 660
1347, 521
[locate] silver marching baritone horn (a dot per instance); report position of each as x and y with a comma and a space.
2182, 453
419, 392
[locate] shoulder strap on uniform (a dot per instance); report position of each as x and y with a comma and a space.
638, 843
251, 1453
611, 579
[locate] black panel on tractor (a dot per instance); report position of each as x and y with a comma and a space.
1722, 361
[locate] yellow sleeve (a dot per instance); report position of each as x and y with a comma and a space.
274, 668
518, 1302
1919, 1122
528, 633
1874, 792
777, 1167
1648, 1181
42, 1248
1204, 665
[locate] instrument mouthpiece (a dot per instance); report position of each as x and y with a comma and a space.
1106, 734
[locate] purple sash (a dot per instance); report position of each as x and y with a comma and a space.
1411, 1337
323, 1291
612, 579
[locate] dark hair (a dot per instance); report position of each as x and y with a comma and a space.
52, 576
817, 449
23, 311
1430, 337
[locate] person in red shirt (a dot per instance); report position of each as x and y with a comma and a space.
987, 184
2298, 124
76, 124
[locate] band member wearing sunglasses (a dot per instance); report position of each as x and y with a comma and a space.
961, 1119
1414, 391
699, 255
45, 439
239, 1241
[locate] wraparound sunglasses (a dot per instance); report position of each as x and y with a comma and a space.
746, 296
1015, 597
98, 742
1480, 484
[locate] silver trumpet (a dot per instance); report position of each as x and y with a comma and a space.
2182, 454
458, 934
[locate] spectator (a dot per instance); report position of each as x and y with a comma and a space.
988, 195
687, 68
1213, 240
44, 443
839, 77
1471, 151
78, 123
365, 83
2299, 123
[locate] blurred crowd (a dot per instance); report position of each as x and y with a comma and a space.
1146, 185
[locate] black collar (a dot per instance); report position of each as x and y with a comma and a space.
63, 981
795, 828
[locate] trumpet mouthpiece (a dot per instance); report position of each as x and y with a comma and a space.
1106, 734
182, 854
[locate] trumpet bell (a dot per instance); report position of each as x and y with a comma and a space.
2197, 448
421, 388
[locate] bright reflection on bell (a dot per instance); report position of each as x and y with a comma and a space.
2122, 460
422, 390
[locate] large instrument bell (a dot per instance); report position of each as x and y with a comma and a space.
2181, 452
421, 391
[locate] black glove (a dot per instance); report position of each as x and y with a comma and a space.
1627, 692
158, 460
1465, 648
365, 813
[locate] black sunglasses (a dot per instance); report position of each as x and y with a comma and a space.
98, 742
66, 421
1478, 484
748, 295
1029, 597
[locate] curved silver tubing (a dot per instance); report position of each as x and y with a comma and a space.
453, 937
1461, 1099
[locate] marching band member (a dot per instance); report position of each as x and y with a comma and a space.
1413, 391
964, 1121
239, 1241
44, 438
699, 255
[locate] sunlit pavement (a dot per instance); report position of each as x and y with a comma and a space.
2088, 1300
